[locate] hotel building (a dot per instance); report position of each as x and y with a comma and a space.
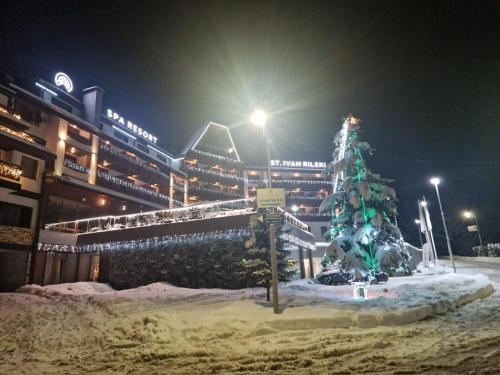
64, 157
305, 187
213, 165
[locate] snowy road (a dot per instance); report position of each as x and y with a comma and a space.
488, 266
162, 329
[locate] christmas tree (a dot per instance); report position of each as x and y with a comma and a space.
257, 264
362, 204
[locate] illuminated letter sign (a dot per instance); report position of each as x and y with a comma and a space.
131, 126
298, 164
62, 79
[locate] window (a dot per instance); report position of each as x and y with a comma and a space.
121, 137
29, 167
28, 112
14, 215
143, 148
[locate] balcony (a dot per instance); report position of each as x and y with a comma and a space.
210, 158
10, 171
22, 135
130, 166
75, 135
211, 193
126, 187
212, 176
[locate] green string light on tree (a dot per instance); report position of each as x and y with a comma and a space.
361, 234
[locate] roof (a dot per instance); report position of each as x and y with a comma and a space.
193, 142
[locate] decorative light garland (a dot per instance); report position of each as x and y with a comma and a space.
294, 240
76, 167
223, 158
128, 159
211, 190
10, 171
216, 174
15, 115
129, 185
148, 243
18, 134
297, 182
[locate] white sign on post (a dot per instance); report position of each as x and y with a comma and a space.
271, 198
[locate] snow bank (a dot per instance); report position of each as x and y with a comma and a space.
400, 301
307, 303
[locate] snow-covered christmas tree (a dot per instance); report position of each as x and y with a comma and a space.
362, 205
257, 264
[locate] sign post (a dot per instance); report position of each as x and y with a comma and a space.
270, 199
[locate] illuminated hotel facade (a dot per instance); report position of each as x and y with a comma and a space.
64, 156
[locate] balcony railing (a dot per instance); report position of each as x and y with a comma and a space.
126, 187
132, 166
10, 171
216, 175
219, 158
78, 138
217, 192
175, 215
76, 167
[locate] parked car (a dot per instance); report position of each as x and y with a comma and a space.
334, 277
380, 277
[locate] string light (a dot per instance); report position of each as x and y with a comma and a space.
224, 158
152, 244
16, 133
10, 171
213, 173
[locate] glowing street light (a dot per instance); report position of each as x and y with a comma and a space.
470, 215
419, 232
435, 181
295, 208
258, 117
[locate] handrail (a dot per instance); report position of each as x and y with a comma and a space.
188, 213
293, 220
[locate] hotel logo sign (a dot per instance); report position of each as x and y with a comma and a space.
62, 79
298, 164
131, 126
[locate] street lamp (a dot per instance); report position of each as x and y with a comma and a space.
470, 215
435, 181
259, 118
419, 232
295, 208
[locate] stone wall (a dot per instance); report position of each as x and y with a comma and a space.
209, 264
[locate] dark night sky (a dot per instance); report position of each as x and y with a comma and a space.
424, 76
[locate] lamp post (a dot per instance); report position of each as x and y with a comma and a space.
469, 215
435, 181
259, 118
419, 232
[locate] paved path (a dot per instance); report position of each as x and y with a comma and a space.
484, 265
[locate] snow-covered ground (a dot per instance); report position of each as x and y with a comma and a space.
434, 322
